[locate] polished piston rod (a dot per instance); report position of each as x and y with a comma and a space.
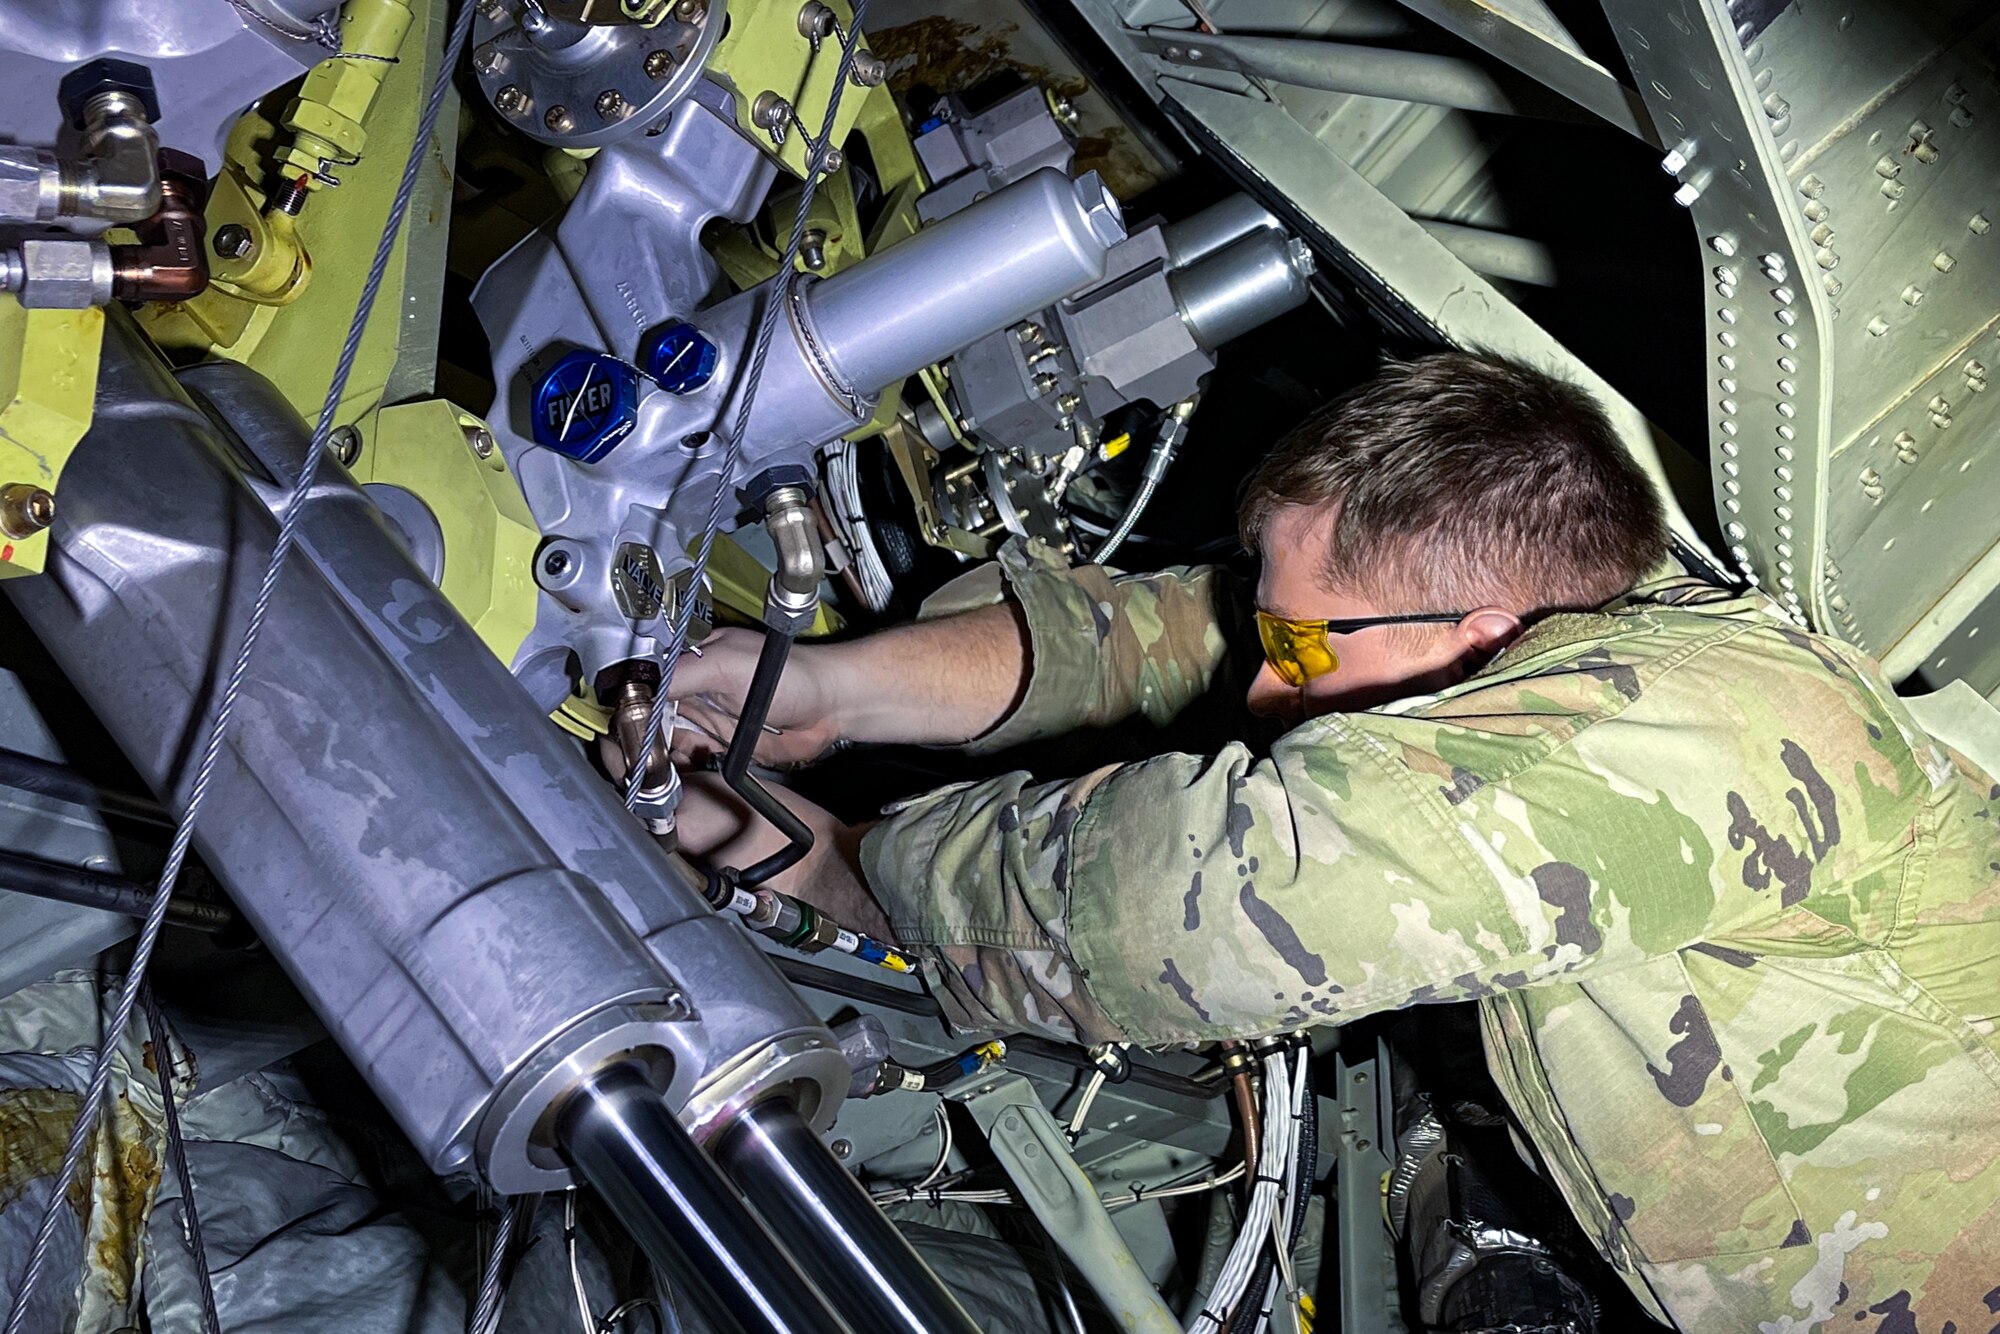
618, 1135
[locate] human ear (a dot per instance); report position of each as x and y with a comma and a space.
1488, 629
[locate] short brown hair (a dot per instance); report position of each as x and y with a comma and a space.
1456, 481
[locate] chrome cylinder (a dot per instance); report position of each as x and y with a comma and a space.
460, 897
618, 1135
1252, 281
802, 1191
981, 269
1202, 234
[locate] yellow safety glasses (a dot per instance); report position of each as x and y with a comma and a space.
1298, 651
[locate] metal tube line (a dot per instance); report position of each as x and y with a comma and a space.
1367, 71
96, 889
1496, 254
802, 1190
616, 1133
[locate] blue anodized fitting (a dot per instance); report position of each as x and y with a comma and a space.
585, 405
679, 357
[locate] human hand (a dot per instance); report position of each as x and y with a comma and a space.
716, 828
709, 687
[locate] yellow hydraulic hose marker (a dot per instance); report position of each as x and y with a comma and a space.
326, 120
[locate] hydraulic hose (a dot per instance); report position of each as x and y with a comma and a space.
736, 764
1173, 432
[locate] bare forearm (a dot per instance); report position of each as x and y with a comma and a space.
931, 683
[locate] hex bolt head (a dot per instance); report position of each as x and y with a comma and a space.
832, 160
659, 64
817, 22
480, 441
611, 105
559, 120
843, 1149
555, 564
345, 445
511, 101
25, 509
691, 11
233, 241
486, 61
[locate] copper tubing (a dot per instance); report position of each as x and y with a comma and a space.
171, 261
1245, 1089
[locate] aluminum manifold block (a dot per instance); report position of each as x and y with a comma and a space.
620, 452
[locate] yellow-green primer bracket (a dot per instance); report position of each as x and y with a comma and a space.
448, 459
258, 312
48, 386
765, 55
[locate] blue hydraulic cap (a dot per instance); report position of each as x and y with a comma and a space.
679, 357
585, 405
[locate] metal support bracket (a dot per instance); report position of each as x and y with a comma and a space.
1366, 1263
1029, 1144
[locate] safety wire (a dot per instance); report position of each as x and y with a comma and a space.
780, 295
149, 933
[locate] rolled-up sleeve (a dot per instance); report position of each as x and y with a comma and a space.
1106, 646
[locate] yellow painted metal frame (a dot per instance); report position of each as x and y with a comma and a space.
490, 538
764, 51
48, 388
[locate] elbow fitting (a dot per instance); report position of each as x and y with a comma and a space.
171, 261
115, 179
118, 179
793, 598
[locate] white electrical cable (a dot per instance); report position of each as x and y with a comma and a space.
1276, 1164
944, 1154
844, 509
1200, 1187
1075, 1131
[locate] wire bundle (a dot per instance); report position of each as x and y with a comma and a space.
1274, 1198
850, 524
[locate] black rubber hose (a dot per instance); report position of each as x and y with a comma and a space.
736, 765
96, 889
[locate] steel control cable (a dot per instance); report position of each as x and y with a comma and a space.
295, 503
817, 148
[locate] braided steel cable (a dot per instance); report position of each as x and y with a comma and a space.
295, 504
780, 295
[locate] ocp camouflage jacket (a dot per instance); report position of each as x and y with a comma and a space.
1732, 918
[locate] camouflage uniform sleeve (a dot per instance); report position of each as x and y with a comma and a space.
1370, 863
1106, 646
